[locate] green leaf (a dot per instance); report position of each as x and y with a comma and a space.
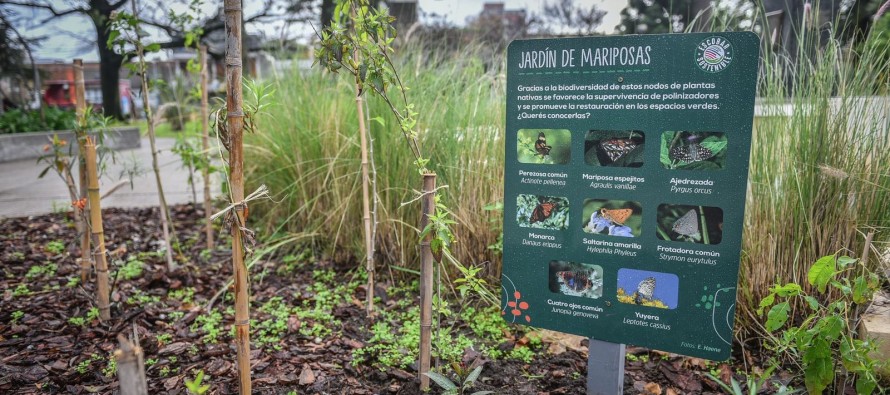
764, 303
818, 367
861, 291
790, 289
865, 384
821, 272
152, 47
812, 302
832, 327
777, 316
442, 381
845, 261
379, 120
471, 378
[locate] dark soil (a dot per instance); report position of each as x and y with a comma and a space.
42, 351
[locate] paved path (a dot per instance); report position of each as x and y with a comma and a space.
23, 194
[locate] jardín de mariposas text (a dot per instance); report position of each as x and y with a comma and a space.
585, 57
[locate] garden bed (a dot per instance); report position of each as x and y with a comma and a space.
307, 315
20, 146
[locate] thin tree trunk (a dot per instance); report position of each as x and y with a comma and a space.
130, 368
82, 215
165, 226
427, 206
366, 209
98, 232
235, 126
205, 145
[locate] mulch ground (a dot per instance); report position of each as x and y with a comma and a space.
43, 351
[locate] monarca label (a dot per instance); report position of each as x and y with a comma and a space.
713, 54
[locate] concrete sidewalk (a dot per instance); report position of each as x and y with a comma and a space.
23, 194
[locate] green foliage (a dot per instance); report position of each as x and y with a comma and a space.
47, 270
21, 290
210, 324
827, 334
132, 269
465, 378
55, 247
194, 386
753, 384
111, 368
18, 121
163, 338
16, 316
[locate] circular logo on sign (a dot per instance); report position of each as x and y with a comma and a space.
713, 54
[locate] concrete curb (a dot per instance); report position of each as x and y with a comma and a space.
20, 146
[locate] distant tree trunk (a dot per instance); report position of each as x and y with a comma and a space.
109, 68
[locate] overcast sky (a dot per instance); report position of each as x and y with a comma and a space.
74, 36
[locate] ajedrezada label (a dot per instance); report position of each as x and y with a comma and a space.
625, 179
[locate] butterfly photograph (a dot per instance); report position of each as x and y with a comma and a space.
576, 279
693, 150
693, 224
619, 218
542, 212
647, 288
544, 146
614, 148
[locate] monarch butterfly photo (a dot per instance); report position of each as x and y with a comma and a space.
543, 212
612, 217
544, 146
576, 279
647, 288
693, 150
614, 148
693, 224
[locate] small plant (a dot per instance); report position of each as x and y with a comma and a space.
466, 377
73, 282
16, 316
131, 270
21, 290
827, 334
111, 368
92, 314
210, 324
151, 361
163, 338
55, 247
77, 321
47, 270
194, 386
753, 384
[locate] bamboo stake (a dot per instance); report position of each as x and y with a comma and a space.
235, 126
366, 209
427, 205
205, 145
82, 215
130, 368
165, 226
98, 232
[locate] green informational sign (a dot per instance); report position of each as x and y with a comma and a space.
625, 178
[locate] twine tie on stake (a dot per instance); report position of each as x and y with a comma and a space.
260, 193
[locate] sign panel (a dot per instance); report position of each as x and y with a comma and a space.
625, 179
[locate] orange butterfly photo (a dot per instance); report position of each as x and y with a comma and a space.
612, 217
542, 212
544, 146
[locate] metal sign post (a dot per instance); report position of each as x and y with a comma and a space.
605, 368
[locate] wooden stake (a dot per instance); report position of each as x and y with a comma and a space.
205, 145
130, 368
366, 206
165, 226
235, 126
98, 232
427, 207
82, 216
